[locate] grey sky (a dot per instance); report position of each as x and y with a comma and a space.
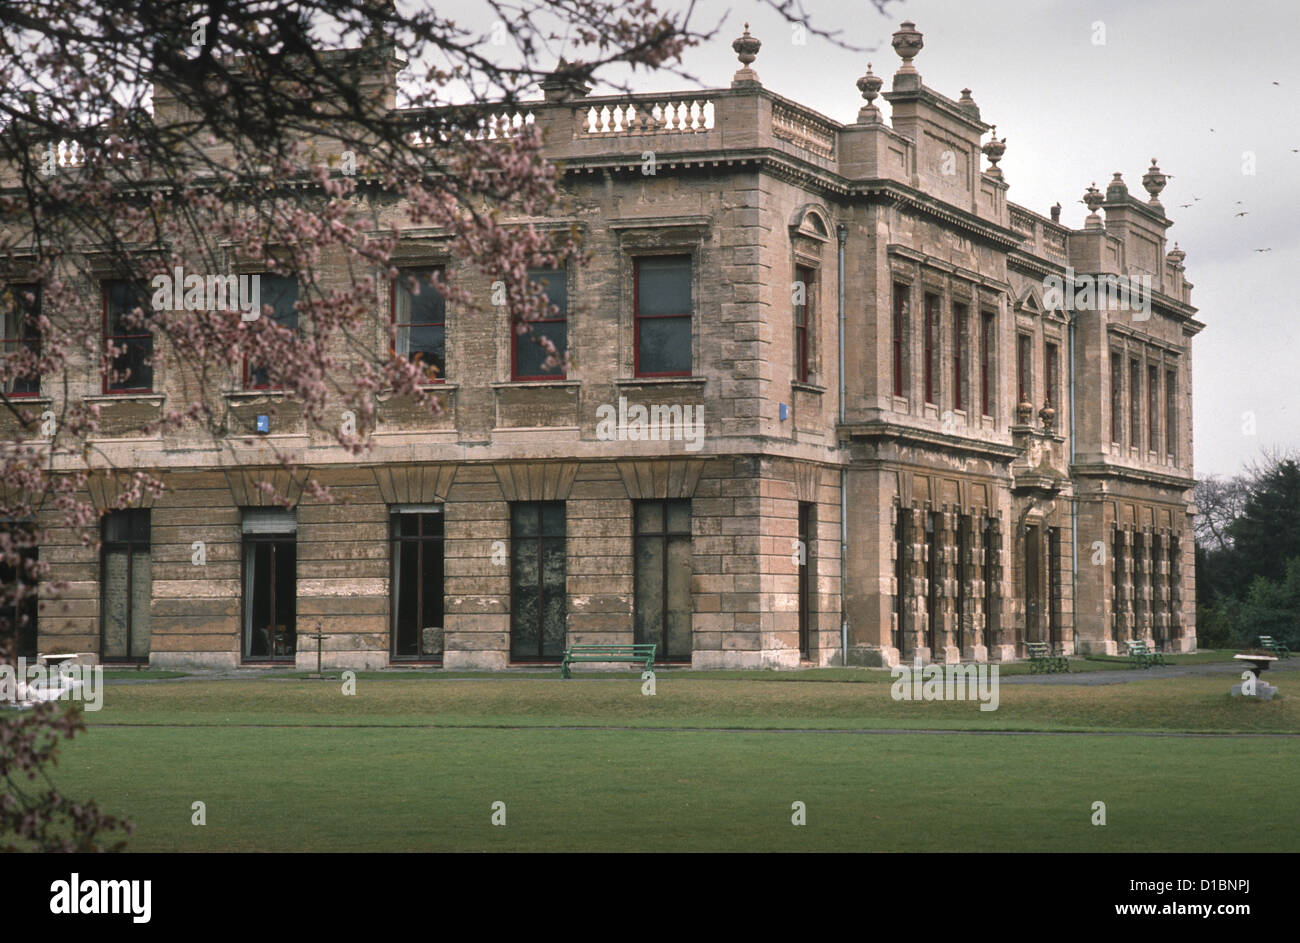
1074, 112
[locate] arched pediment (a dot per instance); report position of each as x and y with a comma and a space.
813, 221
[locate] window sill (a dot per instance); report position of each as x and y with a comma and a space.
126, 397
254, 394
662, 381
534, 384
807, 387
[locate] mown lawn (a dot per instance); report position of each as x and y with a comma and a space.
415, 763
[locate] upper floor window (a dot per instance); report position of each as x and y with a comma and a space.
1135, 404
1024, 382
22, 306
1051, 371
804, 311
900, 320
126, 304
1171, 414
530, 355
281, 293
1116, 396
931, 340
986, 363
960, 357
1153, 407
663, 316
420, 315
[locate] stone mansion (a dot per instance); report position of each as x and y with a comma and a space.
832, 399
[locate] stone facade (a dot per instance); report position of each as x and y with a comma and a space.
992, 498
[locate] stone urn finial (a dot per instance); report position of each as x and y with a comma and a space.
994, 150
1154, 181
1117, 189
1048, 415
1176, 255
1093, 198
967, 104
746, 48
869, 85
1024, 412
907, 42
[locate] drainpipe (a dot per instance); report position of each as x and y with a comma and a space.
841, 233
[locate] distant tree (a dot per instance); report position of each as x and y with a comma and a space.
1266, 535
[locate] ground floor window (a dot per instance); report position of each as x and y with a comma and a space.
417, 555
537, 580
18, 617
270, 584
662, 552
127, 586
807, 577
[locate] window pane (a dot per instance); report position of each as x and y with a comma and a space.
523, 519
123, 297
664, 345
286, 602
555, 283
679, 517
649, 517
530, 356
426, 344
553, 519
431, 576
281, 292
678, 616
427, 306
664, 285
141, 595
649, 559
115, 644
407, 618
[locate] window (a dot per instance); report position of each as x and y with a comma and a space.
805, 312
127, 586
416, 534
19, 617
1024, 382
963, 575
1171, 414
807, 576
537, 580
991, 543
22, 306
281, 293
662, 554
421, 322
932, 580
270, 584
663, 316
960, 356
1116, 397
1134, 404
1051, 370
530, 356
931, 341
900, 318
131, 370
1054, 616
1153, 407
900, 577
986, 363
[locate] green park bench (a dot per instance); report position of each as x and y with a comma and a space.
1267, 643
643, 653
1041, 659
1141, 655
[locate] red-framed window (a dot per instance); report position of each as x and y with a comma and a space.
1024, 383
528, 357
420, 316
986, 363
804, 313
900, 318
1153, 407
663, 316
280, 292
1116, 397
22, 308
960, 356
931, 340
126, 304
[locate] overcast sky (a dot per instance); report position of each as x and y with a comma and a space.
1194, 83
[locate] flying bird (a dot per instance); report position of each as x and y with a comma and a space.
1270, 249
1184, 206
1244, 213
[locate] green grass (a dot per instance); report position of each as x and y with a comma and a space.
432, 790
414, 763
